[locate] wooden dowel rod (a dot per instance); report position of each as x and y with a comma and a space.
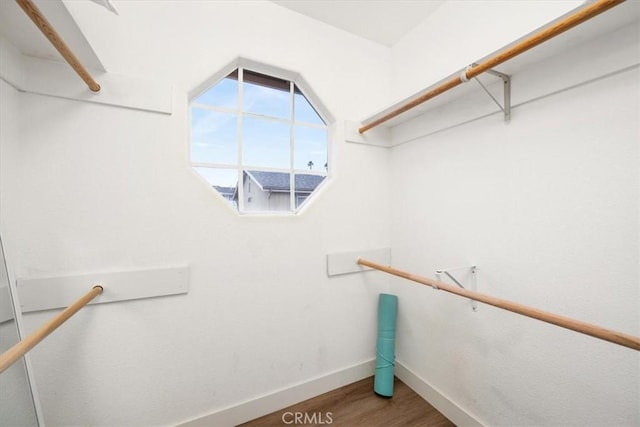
10, 356
555, 319
587, 12
449, 84
582, 15
50, 33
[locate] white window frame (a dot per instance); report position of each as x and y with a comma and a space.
295, 80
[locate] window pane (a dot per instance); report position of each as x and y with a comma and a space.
310, 149
223, 94
305, 185
223, 181
266, 143
304, 112
266, 95
213, 136
282, 138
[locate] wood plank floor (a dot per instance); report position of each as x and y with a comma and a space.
357, 405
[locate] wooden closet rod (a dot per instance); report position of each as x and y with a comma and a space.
10, 356
50, 33
555, 319
582, 15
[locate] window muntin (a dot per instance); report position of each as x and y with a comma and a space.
254, 137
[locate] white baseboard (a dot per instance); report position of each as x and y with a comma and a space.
269, 403
258, 407
443, 404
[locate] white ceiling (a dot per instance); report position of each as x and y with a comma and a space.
381, 21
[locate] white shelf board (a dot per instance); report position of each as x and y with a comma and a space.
56, 292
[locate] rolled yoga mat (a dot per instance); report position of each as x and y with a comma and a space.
385, 355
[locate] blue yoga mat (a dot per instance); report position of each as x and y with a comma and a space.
386, 355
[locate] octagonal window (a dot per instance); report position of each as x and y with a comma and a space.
259, 142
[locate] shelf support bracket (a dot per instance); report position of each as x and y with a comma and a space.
466, 275
506, 80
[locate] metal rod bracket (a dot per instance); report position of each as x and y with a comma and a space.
506, 89
461, 276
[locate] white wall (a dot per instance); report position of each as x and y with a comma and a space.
548, 208
460, 32
92, 188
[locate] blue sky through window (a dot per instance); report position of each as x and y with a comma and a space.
266, 143
224, 94
214, 137
310, 146
304, 112
267, 101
